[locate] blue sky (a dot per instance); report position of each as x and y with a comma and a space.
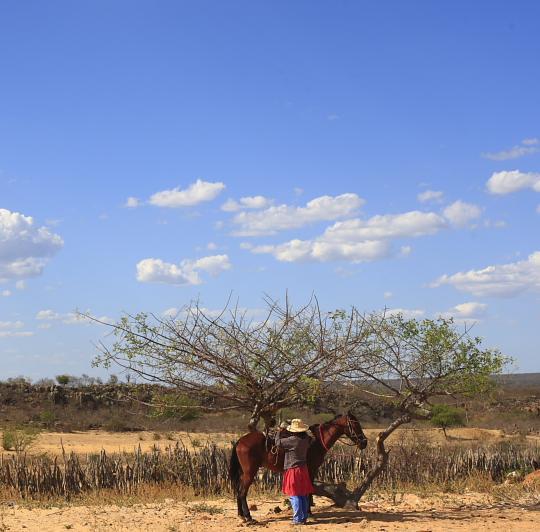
388, 155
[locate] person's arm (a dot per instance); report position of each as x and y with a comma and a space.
284, 441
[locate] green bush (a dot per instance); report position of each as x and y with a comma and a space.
63, 380
47, 418
168, 406
19, 439
445, 416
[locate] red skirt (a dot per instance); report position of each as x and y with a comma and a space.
296, 481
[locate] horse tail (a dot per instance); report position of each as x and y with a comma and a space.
235, 470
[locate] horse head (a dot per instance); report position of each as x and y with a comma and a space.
353, 430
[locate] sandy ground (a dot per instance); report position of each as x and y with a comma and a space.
94, 441
436, 514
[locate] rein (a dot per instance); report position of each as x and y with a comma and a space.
344, 442
325, 447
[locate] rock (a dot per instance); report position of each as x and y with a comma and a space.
514, 476
253, 507
532, 478
277, 510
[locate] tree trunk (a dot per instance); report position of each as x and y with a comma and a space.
343, 497
254, 419
382, 457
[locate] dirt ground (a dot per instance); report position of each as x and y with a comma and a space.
436, 514
94, 441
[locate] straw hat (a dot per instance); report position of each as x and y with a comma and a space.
297, 425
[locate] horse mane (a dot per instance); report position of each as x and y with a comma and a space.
314, 427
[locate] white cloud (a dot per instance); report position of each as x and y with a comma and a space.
68, 318
460, 213
358, 240
196, 193
281, 217
20, 285
527, 147
387, 295
506, 182
247, 202
429, 196
182, 313
170, 312
15, 334
10, 329
11, 324
132, 202
186, 273
407, 313
504, 280
530, 142
211, 246
24, 248
47, 315
469, 311
213, 264
5, 293
310, 250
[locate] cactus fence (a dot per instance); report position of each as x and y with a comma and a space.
205, 470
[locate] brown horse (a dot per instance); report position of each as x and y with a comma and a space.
253, 451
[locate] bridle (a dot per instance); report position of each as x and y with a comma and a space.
353, 435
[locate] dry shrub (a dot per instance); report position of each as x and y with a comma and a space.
19, 439
204, 471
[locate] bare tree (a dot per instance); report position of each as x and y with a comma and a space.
292, 357
233, 361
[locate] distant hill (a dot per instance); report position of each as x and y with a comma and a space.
520, 380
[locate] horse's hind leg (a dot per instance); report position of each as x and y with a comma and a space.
310, 504
243, 508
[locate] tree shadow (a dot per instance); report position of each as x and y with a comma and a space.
337, 516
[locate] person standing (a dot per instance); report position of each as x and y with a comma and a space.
295, 441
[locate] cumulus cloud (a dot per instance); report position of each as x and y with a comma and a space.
24, 248
460, 213
430, 196
504, 280
48, 316
11, 329
15, 334
5, 293
11, 324
357, 240
247, 202
132, 202
407, 313
196, 193
506, 182
470, 311
187, 272
527, 147
281, 217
